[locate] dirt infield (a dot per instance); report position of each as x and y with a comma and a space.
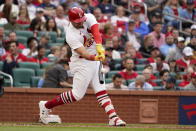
187, 127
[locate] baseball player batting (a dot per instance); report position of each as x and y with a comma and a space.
83, 36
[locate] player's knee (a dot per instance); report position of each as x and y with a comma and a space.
78, 96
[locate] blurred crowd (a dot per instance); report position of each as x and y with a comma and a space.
145, 48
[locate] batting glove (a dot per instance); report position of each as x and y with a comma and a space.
100, 50
97, 57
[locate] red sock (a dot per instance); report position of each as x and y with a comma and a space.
65, 97
54, 102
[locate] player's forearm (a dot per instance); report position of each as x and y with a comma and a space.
96, 34
65, 84
84, 54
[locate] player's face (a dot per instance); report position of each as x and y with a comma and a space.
78, 25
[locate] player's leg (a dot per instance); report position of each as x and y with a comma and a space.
80, 84
105, 101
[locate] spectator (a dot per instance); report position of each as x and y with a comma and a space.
12, 25
170, 84
168, 45
132, 36
164, 75
13, 37
193, 33
54, 54
108, 31
153, 6
44, 40
51, 26
49, 9
85, 6
159, 64
106, 8
186, 59
147, 73
131, 51
100, 17
175, 33
189, 13
2, 49
141, 26
60, 20
2, 20
156, 17
158, 37
117, 83
39, 58
35, 26
65, 52
57, 76
106, 62
146, 48
6, 12
192, 84
140, 84
187, 77
14, 8
12, 58
192, 44
36, 2
128, 72
31, 50
31, 9
172, 8
40, 15
154, 53
176, 53
119, 19
117, 44
23, 15
173, 68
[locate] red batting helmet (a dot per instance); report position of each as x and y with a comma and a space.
76, 15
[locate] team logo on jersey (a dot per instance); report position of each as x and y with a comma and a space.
80, 15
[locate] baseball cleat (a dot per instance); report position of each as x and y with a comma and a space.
116, 121
43, 112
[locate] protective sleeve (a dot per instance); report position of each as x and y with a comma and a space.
96, 33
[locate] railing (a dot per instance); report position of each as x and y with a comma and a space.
181, 20
9, 76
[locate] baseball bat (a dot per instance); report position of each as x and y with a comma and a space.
101, 79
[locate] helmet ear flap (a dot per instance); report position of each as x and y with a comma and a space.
76, 15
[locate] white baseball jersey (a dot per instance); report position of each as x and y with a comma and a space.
81, 37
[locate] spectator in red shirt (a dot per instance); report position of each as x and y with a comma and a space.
12, 58
186, 60
154, 53
23, 15
164, 74
13, 37
187, 77
40, 58
128, 72
147, 74
148, 66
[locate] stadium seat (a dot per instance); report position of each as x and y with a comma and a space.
129, 81
117, 61
111, 74
24, 33
6, 32
141, 61
173, 74
22, 40
44, 65
55, 44
178, 82
22, 77
30, 65
157, 74
117, 66
40, 72
108, 80
63, 34
158, 82
53, 35
35, 80
157, 88
47, 52
140, 67
25, 27
60, 40
1, 65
